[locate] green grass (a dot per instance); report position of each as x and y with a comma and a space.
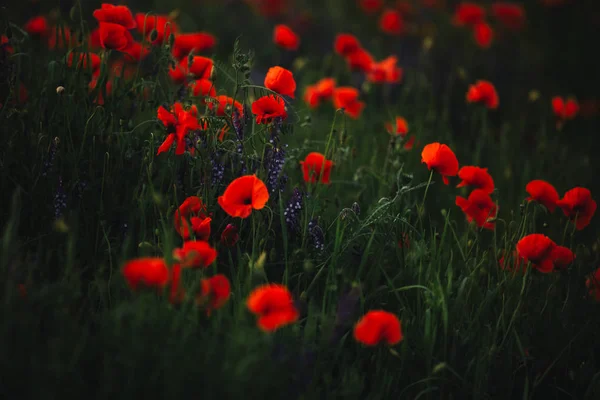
471, 329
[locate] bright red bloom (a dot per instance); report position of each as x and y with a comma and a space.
285, 37
136, 52
243, 195
483, 34
195, 254
147, 271
346, 44
370, 6
191, 216
542, 192
476, 178
320, 91
385, 71
479, 207
378, 326
200, 68
185, 43
347, 98
565, 109
176, 292
391, 22
268, 107
562, 257
274, 306
578, 205
114, 36
225, 105
61, 37
203, 88
401, 128
178, 123
280, 80
99, 100
82, 61
360, 60
214, 292
120, 15
593, 285
37, 26
537, 249
468, 14
511, 15
441, 159
483, 92
163, 25
230, 235
313, 165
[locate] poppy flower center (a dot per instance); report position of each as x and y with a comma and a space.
247, 201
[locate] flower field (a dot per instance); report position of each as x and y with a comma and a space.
358, 199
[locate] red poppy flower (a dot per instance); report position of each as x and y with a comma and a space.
214, 292
347, 98
391, 22
441, 159
199, 68
370, 6
114, 36
61, 37
565, 109
320, 91
225, 105
185, 43
99, 100
280, 80
468, 14
178, 123
483, 34
163, 25
176, 292
313, 165
578, 205
37, 26
479, 207
136, 52
268, 107
593, 285
385, 71
542, 192
360, 60
147, 271
243, 195
203, 88
511, 15
513, 263
230, 235
191, 217
378, 326
120, 15
82, 61
483, 92
274, 306
401, 128
404, 241
195, 254
537, 249
476, 178
346, 44
285, 37
562, 257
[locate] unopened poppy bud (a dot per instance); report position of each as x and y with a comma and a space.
171, 39
60, 89
153, 35
73, 13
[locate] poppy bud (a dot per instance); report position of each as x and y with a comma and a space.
171, 39
153, 35
73, 13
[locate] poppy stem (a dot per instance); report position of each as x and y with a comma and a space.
422, 208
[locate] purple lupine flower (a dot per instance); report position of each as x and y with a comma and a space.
60, 199
316, 234
277, 160
218, 168
292, 211
49, 163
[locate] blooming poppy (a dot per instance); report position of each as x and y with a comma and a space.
320, 91
441, 159
268, 107
346, 97
102, 92
243, 195
360, 60
114, 36
37, 26
378, 326
578, 205
370, 6
178, 123
469, 14
146, 271
274, 306
136, 52
483, 34
185, 43
230, 235
542, 192
195, 254
176, 292
225, 105
565, 109
511, 15
191, 217
401, 128
198, 67
593, 285
82, 61
385, 71
537, 249
478, 207
346, 44
391, 22
483, 92
562, 257
214, 292
280, 80
162, 24
61, 37
476, 178
313, 165
285, 37
120, 15
203, 88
